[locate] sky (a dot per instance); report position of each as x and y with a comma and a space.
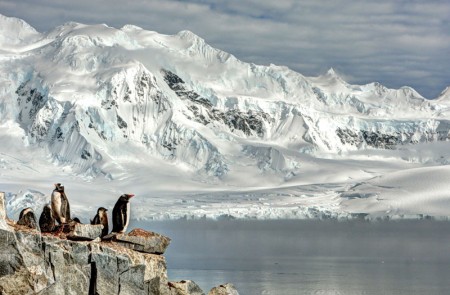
394, 42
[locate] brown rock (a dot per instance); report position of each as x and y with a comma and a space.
85, 232
225, 289
144, 241
185, 287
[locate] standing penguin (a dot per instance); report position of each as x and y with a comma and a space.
121, 214
102, 218
76, 220
27, 218
46, 220
60, 204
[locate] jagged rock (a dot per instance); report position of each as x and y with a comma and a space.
380, 140
85, 231
185, 288
225, 289
250, 122
3, 224
144, 241
178, 86
130, 272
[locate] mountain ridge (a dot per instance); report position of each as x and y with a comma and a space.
99, 100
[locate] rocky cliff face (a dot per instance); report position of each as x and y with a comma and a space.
35, 263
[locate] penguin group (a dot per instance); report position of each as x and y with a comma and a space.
120, 217
58, 211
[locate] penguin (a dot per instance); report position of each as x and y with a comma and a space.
121, 214
76, 220
46, 220
27, 218
102, 218
60, 204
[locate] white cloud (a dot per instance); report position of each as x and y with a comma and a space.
360, 38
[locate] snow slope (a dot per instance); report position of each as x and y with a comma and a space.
195, 132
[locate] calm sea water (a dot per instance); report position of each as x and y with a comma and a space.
310, 257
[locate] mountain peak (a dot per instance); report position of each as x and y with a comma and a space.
331, 77
332, 72
131, 28
188, 35
445, 94
14, 32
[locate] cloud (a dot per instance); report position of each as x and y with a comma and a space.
395, 42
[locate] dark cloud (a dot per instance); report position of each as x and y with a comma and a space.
395, 42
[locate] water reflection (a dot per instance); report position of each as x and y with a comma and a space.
311, 257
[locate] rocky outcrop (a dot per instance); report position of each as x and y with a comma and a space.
394, 134
185, 288
35, 263
372, 139
225, 289
144, 241
85, 232
3, 218
251, 123
32, 262
191, 288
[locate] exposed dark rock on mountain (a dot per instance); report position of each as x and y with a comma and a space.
250, 123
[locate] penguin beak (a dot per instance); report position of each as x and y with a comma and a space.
130, 195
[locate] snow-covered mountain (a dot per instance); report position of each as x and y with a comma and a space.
169, 114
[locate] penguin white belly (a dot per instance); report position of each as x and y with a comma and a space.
56, 206
128, 218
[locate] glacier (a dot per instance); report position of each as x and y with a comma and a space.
195, 132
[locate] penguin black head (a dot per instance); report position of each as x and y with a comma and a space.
101, 209
59, 187
76, 219
126, 197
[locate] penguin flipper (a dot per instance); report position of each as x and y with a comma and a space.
68, 210
96, 220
